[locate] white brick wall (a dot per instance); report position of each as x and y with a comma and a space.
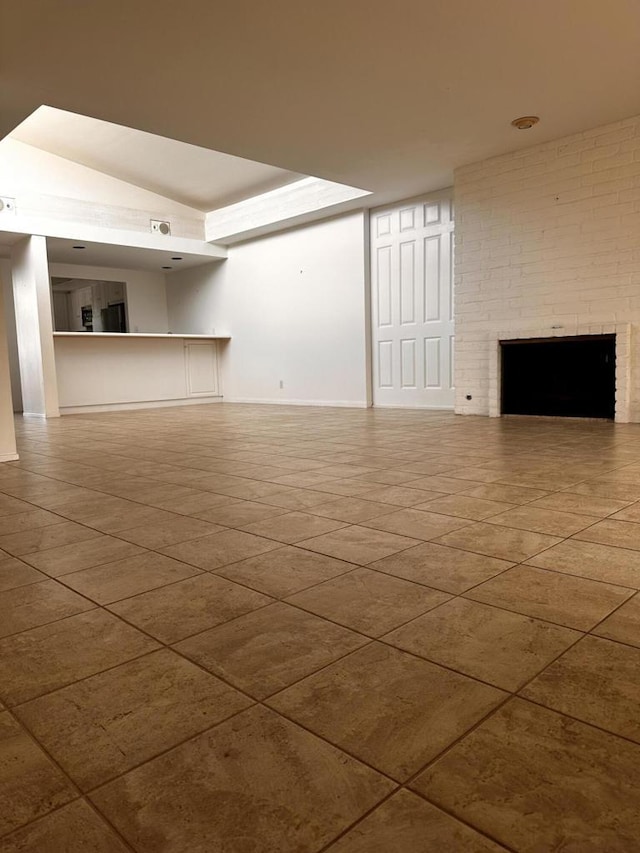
549, 237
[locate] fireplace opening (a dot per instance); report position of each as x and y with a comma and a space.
572, 377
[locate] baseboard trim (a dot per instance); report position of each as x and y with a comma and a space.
404, 406
9, 457
146, 404
265, 401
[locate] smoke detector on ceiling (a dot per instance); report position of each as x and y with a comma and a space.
525, 122
7, 205
161, 226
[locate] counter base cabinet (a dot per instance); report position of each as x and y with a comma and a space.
201, 362
110, 372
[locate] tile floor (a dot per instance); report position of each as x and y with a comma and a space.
237, 629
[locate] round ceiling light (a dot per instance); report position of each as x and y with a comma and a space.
177, 258
525, 122
167, 268
79, 247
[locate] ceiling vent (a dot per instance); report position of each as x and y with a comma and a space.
161, 226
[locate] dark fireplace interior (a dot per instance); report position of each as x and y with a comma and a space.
572, 377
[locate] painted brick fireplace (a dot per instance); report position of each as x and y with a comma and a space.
548, 244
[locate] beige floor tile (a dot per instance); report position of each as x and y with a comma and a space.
631, 513
596, 682
109, 515
75, 828
178, 529
475, 474
390, 477
284, 571
567, 600
15, 573
447, 485
370, 602
407, 824
463, 506
41, 538
124, 578
547, 481
429, 467
271, 648
306, 479
400, 496
19, 521
535, 780
623, 625
416, 523
250, 490
358, 544
293, 527
240, 513
10, 506
173, 612
607, 489
257, 778
581, 504
506, 543
508, 494
81, 555
198, 503
36, 604
622, 534
352, 510
346, 488
345, 470
542, 520
390, 709
220, 549
295, 499
165, 471
503, 648
164, 495
437, 566
103, 726
30, 784
45, 658
592, 560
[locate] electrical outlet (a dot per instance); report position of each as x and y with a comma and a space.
7, 205
160, 226
281, 383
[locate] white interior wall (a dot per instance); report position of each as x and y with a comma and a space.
547, 241
296, 306
8, 450
34, 326
45, 185
10, 326
146, 293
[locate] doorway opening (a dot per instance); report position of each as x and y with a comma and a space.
85, 305
571, 377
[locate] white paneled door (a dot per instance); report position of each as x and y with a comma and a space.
412, 304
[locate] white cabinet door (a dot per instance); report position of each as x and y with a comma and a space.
412, 304
202, 369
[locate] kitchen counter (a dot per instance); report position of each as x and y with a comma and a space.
107, 371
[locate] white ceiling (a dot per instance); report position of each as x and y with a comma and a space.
114, 256
189, 174
385, 96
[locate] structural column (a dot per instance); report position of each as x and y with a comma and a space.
34, 327
7, 431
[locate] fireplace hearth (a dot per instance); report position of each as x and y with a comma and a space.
572, 377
